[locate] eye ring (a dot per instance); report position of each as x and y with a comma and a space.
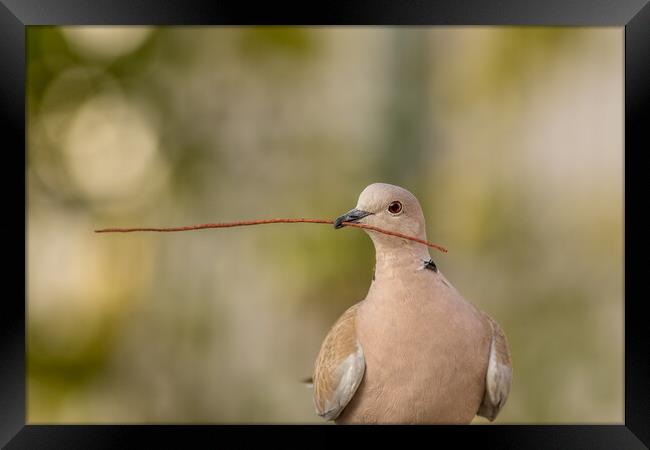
395, 208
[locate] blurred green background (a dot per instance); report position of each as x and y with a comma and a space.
512, 138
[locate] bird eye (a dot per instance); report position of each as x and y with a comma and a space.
395, 207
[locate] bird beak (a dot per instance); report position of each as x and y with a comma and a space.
353, 215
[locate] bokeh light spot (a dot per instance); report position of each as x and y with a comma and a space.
105, 43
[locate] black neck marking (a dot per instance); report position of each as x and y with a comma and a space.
430, 265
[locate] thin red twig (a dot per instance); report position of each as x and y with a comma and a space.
266, 221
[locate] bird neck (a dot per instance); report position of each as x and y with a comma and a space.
398, 259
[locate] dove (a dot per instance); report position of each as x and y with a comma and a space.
414, 351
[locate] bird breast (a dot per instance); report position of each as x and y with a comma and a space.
426, 351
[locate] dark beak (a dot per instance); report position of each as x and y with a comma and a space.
350, 216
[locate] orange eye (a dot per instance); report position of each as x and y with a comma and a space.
395, 207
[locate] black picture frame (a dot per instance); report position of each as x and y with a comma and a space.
16, 15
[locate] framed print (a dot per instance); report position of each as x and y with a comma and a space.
491, 153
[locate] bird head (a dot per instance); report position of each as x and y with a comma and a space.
389, 207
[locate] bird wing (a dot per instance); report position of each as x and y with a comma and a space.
499, 374
339, 367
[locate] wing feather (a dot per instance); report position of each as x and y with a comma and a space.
339, 367
499, 374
